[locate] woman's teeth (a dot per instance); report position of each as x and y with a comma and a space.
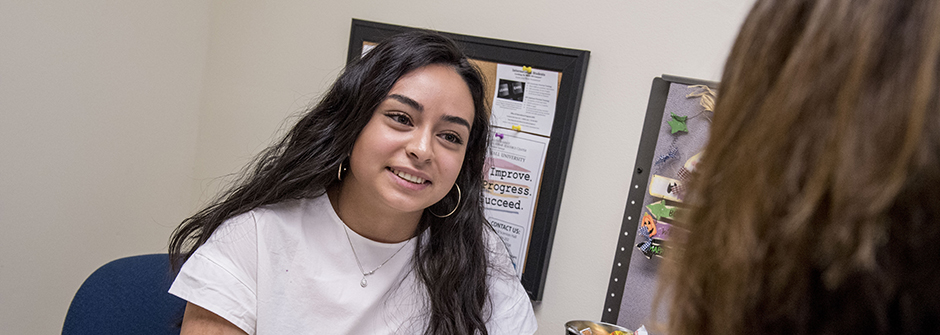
408, 177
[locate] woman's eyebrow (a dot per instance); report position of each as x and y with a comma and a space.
456, 120
406, 100
417, 106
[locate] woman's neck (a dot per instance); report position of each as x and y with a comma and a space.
371, 221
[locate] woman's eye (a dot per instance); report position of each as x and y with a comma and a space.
400, 118
452, 138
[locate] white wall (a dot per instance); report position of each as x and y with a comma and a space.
99, 105
100, 102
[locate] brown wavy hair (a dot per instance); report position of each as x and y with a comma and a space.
816, 206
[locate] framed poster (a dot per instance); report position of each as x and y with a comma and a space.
676, 128
535, 94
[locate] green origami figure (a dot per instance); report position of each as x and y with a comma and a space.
678, 123
660, 210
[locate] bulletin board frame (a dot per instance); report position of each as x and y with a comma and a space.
572, 64
618, 294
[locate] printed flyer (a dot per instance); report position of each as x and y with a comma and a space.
525, 99
511, 187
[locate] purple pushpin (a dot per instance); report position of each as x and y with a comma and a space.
499, 135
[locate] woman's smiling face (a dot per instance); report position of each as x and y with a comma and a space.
409, 154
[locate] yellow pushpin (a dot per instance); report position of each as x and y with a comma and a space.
527, 69
517, 128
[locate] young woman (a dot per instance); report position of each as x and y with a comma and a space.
817, 200
365, 218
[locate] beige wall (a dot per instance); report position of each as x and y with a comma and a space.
116, 119
99, 105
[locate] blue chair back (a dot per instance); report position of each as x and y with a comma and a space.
127, 296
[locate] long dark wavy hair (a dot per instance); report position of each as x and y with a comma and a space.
817, 199
451, 262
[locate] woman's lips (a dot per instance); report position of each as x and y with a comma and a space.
409, 181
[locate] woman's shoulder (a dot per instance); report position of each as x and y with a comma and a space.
291, 209
285, 206
493, 242
510, 308
497, 252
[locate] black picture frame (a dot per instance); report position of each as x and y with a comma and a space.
645, 290
573, 66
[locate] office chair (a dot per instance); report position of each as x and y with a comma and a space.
127, 296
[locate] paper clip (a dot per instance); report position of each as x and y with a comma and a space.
527, 69
517, 128
499, 135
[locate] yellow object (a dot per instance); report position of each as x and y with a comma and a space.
517, 128
707, 95
527, 69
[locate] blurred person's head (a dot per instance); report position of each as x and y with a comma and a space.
816, 206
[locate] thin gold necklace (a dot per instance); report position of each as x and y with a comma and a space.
365, 274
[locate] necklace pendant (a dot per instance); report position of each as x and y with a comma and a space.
363, 283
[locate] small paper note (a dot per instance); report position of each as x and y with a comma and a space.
666, 188
660, 210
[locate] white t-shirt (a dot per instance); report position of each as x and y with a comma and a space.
289, 269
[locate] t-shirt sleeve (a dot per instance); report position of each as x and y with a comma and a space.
511, 309
221, 276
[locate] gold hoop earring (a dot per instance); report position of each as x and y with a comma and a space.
339, 173
455, 207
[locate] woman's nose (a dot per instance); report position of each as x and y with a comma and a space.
420, 147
